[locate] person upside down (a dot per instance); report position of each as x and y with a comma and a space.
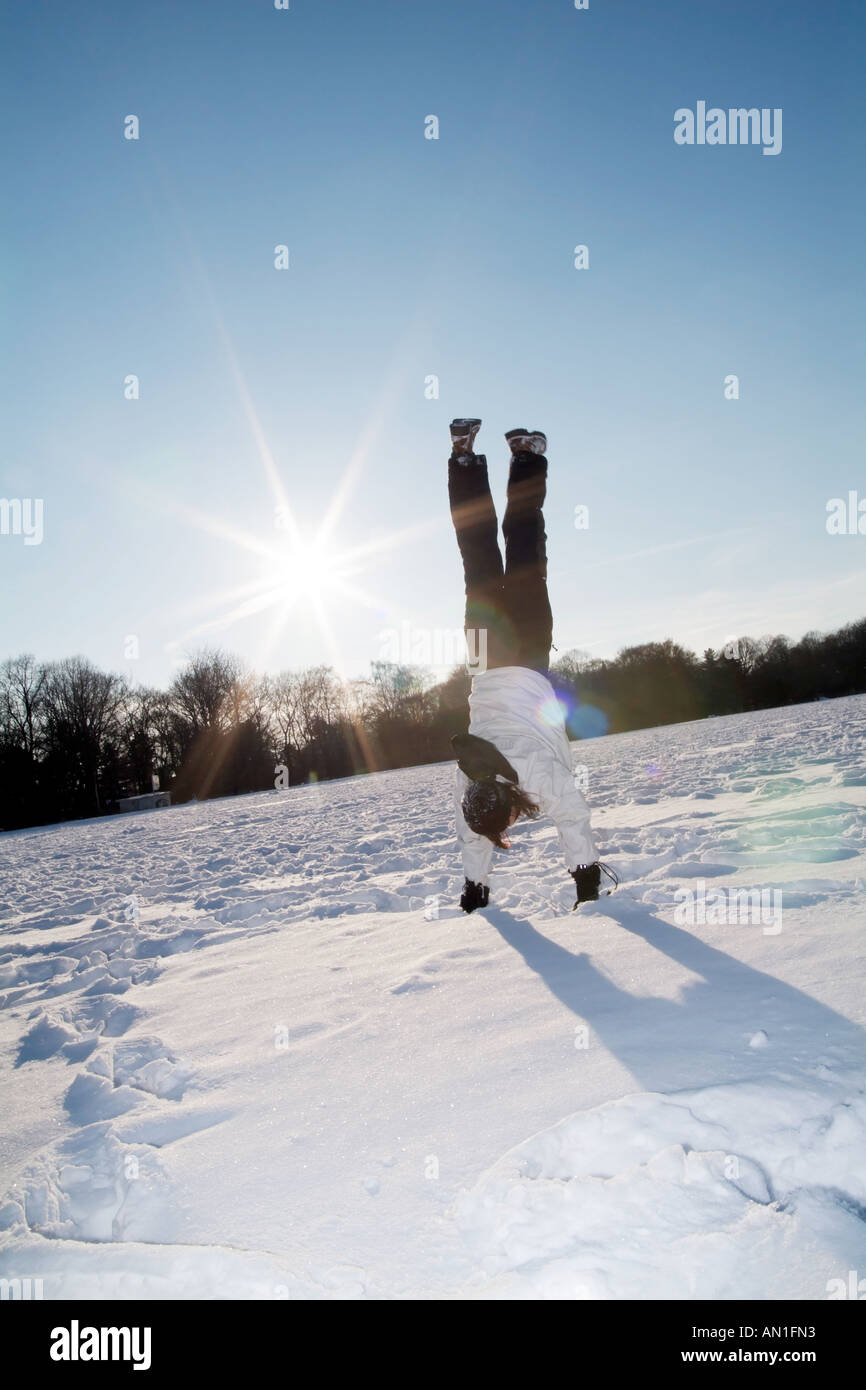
515, 760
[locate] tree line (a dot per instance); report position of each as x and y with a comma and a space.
75, 739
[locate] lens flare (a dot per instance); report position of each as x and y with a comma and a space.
553, 712
588, 722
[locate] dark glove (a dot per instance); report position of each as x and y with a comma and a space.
588, 879
474, 895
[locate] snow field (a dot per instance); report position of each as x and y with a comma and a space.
254, 1049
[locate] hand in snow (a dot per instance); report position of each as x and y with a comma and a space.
474, 895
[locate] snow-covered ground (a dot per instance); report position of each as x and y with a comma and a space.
244, 1056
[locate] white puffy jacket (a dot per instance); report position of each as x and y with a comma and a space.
517, 710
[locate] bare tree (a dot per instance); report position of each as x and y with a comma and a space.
284, 697
83, 709
22, 698
576, 663
208, 692
395, 692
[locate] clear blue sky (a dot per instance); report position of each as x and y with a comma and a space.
412, 257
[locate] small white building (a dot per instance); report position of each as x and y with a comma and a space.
147, 801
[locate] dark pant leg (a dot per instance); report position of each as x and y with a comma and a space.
488, 637
526, 599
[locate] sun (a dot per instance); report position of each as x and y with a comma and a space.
304, 570
297, 573
301, 571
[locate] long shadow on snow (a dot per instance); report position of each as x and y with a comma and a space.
702, 1037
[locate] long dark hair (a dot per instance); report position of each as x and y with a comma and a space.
493, 793
488, 808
